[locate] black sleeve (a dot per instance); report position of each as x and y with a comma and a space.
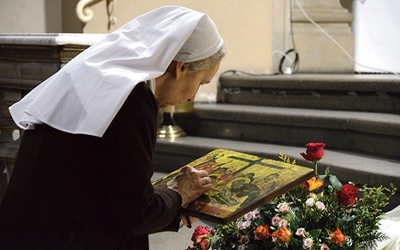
128, 166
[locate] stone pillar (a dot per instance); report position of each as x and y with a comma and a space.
318, 54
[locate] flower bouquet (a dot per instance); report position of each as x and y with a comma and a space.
320, 214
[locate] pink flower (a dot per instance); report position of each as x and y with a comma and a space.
324, 247
241, 225
252, 215
241, 247
307, 243
301, 232
255, 214
283, 207
320, 206
283, 223
310, 202
275, 221
244, 239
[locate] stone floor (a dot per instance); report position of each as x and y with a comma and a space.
173, 241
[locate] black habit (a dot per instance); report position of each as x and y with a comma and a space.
84, 192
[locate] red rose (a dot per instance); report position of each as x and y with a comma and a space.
201, 237
200, 231
314, 151
347, 196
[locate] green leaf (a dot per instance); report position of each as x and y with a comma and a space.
327, 171
252, 247
315, 233
336, 184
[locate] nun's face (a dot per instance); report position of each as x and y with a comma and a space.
176, 87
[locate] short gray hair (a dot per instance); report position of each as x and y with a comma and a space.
206, 63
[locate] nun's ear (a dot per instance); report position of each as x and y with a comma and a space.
179, 69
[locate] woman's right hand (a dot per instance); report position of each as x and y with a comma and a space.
191, 183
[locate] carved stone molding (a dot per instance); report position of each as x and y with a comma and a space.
28, 59
85, 14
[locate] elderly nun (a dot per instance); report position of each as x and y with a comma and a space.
82, 178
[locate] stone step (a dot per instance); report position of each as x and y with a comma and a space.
365, 132
371, 93
347, 166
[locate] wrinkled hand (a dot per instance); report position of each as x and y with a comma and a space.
191, 183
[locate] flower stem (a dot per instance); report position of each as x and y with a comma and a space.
316, 167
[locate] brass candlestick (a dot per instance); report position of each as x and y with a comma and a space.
168, 127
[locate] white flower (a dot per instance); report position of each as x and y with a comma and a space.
349, 241
307, 243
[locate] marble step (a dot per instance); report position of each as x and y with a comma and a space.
347, 166
370, 133
366, 92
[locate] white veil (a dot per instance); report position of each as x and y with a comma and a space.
85, 95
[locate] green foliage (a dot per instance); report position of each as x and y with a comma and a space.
358, 223
310, 216
286, 158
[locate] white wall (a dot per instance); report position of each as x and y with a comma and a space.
33, 16
377, 36
246, 26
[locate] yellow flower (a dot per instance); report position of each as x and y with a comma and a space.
312, 184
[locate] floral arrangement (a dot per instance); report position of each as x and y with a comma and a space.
320, 214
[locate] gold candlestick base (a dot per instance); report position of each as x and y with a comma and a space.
168, 128
170, 131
